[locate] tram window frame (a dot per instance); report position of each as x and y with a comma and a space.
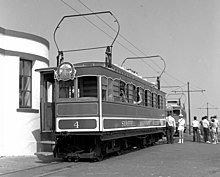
123, 92
154, 100
70, 89
160, 102
134, 93
146, 98
176, 112
130, 93
140, 101
84, 90
25, 84
116, 90
110, 90
149, 96
104, 82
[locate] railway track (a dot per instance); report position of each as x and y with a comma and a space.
41, 171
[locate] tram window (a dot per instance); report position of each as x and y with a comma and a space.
104, 88
130, 93
149, 96
116, 90
66, 89
160, 101
145, 98
49, 92
134, 94
110, 90
139, 96
87, 86
176, 112
154, 100
123, 95
127, 92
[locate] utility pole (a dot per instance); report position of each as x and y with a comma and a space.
207, 109
189, 108
188, 91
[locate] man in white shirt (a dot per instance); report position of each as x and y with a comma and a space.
195, 125
171, 126
205, 124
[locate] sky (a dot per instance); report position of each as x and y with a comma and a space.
186, 34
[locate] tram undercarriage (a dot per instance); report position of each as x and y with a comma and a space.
72, 147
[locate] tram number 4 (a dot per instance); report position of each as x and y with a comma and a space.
76, 124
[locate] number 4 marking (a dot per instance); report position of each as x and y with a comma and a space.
76, 124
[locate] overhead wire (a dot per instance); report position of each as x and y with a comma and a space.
107, 33
119, 35
124, 38
169, 75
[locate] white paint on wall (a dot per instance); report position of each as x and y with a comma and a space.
19, 131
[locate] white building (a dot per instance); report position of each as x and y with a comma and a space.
20, 54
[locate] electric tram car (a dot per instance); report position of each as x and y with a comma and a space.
95, 108
175, 108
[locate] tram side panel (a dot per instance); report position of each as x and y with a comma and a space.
117, 117
85, 117
77, 117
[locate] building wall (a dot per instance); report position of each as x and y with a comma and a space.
20, 128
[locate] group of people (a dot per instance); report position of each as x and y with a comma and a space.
208, 129
171, 127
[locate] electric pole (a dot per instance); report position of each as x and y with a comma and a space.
207, 109
188, 91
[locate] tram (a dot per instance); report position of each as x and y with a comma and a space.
91, 109
175, 108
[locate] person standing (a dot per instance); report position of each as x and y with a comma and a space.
211, 127
214, 131
170, 127
195, 125
217, 123
205, 124
181, 126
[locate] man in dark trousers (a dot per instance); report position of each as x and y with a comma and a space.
195, 125
170, 126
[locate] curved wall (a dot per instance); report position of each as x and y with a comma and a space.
20, 128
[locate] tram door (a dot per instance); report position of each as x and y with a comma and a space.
47, 102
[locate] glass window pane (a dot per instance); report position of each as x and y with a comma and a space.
20, 98
21, 68
27, 99
88, 86
27, 68
27, 83
104, 88
66, 89
110, 90
20, 83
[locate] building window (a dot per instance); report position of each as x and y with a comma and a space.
25, 79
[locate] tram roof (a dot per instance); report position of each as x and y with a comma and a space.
99, 68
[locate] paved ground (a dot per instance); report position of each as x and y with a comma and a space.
162, 160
